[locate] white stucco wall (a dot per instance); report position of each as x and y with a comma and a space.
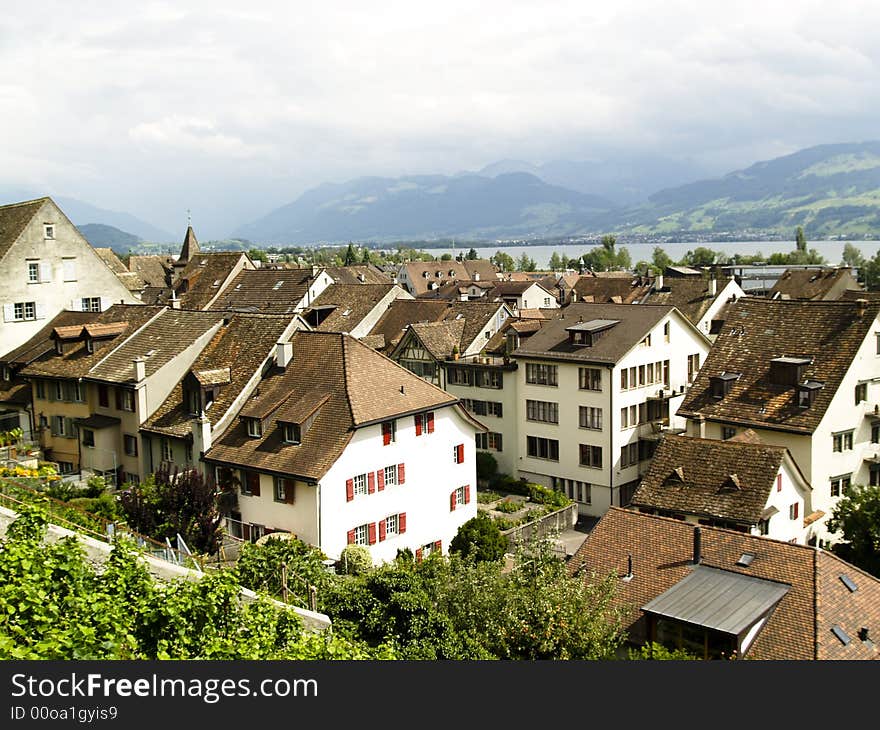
367, 323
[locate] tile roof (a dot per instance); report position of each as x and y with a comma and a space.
13, 220
476, 315
205, 275
76, 362
154, 270
814, 284
351, 302
625, 289
689, 294
43, 342
439, 338
364, 387
230, 359
404, 312
800, 626
757, 330
706, 488
552, 341
109, 257
270, 291
159, 342
190, 246
352, 274
448, 271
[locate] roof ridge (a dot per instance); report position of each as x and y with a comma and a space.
26, 202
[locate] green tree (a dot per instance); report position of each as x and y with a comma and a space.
557, 262
702, 256
350, 256
606, 256
852, 256
479, 538
256, 254
365, 258
260, 567
503, 261
660, 260
871, 273
446, 257
525, 263
472, 255
800, 239
857, 517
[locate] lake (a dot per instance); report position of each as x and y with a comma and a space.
831, 250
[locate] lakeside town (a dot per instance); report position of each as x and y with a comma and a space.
684, 447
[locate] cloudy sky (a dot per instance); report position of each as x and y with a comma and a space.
232, 108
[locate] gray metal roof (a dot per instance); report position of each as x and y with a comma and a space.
594, 325
718, 599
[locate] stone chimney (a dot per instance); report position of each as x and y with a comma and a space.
201, 433
140, 369
283, 353
658, 282
861, 307
713, 287
315, 270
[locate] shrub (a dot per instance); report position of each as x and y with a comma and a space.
487, 497
95, 486
62, 490
479, 538
104, 506
355, 560
259, 567
487, 465
507, 506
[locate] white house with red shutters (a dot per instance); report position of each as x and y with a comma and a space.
341, 445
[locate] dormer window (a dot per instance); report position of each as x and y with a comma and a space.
292, 433
788, 370
807, 392
585, 334
719, 385
254, 427
192, 402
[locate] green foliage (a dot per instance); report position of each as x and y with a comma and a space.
365, 257
487, 497
446, 257
657, 652
800, 239
54, 604
480, 539
703, 256
355, 560
508, 506
871, 273
472, 255
487, 465
104, 506
350, 256
503, 261
556, 262
857, 517
260, 568
660, 260
606, 257
852, 256
61, 490
256, 254
525, 263
96, 485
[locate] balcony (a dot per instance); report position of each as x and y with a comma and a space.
871, 454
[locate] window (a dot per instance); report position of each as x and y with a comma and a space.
578, 491
69, 269
629, 455
41, 389
590, 456
254, 427
542, 448
167, 452
874, 477
489, 379
292, 434
129, 478
390, 475
666, 373
666, 331
629, 417
33, 272
538, 374
424, 423
284, 490
392, 525
546, 301
130, 445
250, 483
361, 535
728, 432
793, 511
88, 437
842, 441
22, 311
489, 441
124, 399
458, 454
542, 411
589, 379
360, 485
48, 231
188, 453
460, 376
779, 482
624, 379
459, 497
590, 417
840, 485
59, 390
493, 408
693, 366
91, 304
641, 375
861, 392
875, 429
877, 339
646, 342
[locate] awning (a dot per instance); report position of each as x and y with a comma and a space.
97, 421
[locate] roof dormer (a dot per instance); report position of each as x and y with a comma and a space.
807, 392
585, 334
789, 370
719, 385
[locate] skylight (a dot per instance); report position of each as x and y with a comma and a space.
277, 285
840, 634
847, 581
745, 560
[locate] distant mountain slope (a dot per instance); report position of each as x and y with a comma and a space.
81, 213
830, 190
101, 236
429, 206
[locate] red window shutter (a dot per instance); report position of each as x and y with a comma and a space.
371, 483
351, 537
386, 434
795, 508
418, 425
452, 502
349, 490
401, 523
431, 422
419, 555
467, 494
371, 529
779, 482
460, 455
437, 546
380, 478
381, 530
400, 479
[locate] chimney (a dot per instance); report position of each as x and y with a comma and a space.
140, 369
629, 568
861, 307
315, 271
283, 353
201, 433
658, 282
698, 546
175, 302
362, 278
863, 633
476, 276
713, 287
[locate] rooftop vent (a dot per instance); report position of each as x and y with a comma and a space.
840, 634
863, 633
731, 484
847, 581
278, 285
698, 546
745, 560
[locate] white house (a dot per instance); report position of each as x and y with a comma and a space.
702, 301
595, 388
341, 445
47, 266
804, 375
520, 295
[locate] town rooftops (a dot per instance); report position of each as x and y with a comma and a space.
404, 312
791, 357
190, 246
814, 284
729, 480
802, 624
270, 291
14, 219
439, 338
364, 388
342, 307
204, 276
358, 274
109, 257
623, 288
554, 342
422, 273
154, 270
689, 294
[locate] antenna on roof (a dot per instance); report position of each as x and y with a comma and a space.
189, 218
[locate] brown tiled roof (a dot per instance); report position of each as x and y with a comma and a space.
486, 270
109, 257
364, 387
439, 338
43, 342
511, 288
205, 275
352, 303
255, 291
800, 626
13, 220
689, 294
104, 329
76, 360
190, 246
634, 322
351, 274
234, 354
625, 289
160, 341
814, 284
377, 342
17, 390
449, 271
153, 270
404, 312
476, 316
757, 330
131, 281
497, 344
154, 295
707, 488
